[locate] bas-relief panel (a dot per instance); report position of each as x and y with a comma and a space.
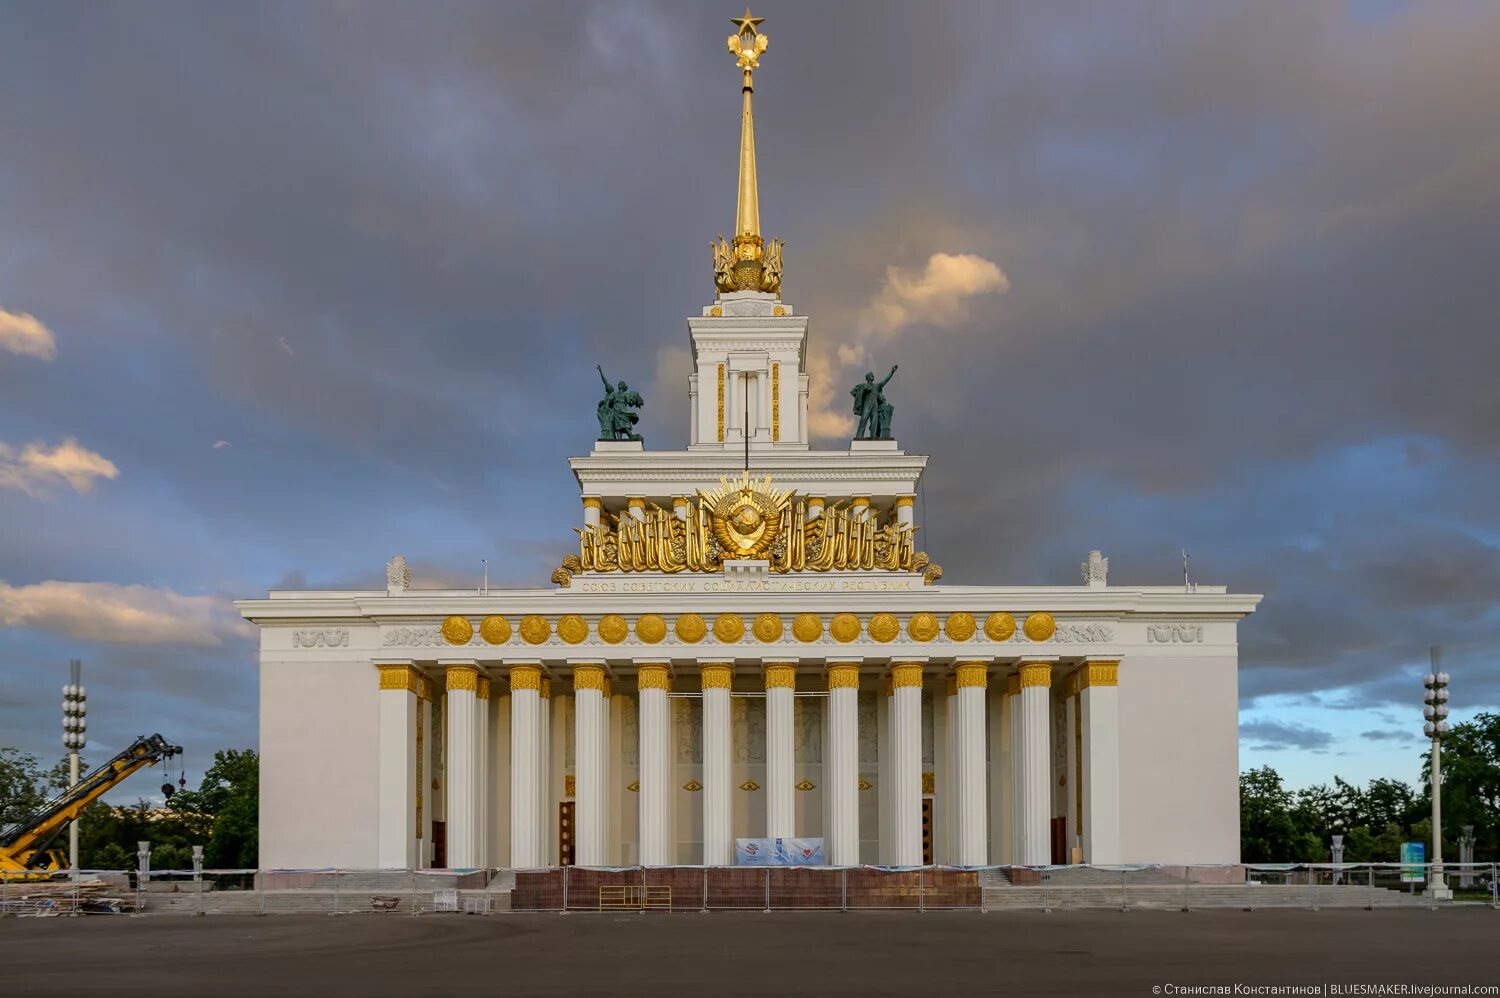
749, 718
869, 748
687, 729
630, 730
928, 752
807, 713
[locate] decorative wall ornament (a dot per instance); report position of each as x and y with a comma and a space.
401, 637
494, 629
844, 627
570, 784
397, 574
457, 630
728, 627
1000, 626
1039, 626
922, 627
692, 786
807, 627
572, 628
929, 783
884, 627
687, 726
690, 628
865, 785
328, 638
613, 629
651, 628
1096, 570
806, 785
768, 627
1174, 633
634, 786
1085, 633
959, 626
750, 785
535, 629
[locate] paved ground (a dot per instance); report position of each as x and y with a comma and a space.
941, 954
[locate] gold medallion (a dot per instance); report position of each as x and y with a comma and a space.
457, 630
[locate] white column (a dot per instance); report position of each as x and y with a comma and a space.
906, 759
482, 772
545, 796
718, 788
1072, 764
1099, 707
397, 761
1013, 768
886, 785
525, 723
590, 725
841, 764
656, 765
462, 680
971, 805
1036, 767
781, 751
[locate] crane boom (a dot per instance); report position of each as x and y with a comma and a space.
22, 845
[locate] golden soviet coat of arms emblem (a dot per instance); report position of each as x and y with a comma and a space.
747, 516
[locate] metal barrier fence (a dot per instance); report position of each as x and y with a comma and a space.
1249, 887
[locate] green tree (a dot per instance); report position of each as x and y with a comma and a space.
1471, 786
230, 796
1270, 829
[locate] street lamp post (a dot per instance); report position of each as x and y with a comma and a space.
75, 707
1436, 726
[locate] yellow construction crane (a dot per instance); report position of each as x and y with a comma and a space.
23, 846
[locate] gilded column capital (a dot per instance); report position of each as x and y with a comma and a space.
482, 687
906, 674
593, 502
653, 677
781, 676
461, 677
1099, 672
1035, 674
971, 673
525, 677
636, 502
903, 502
716, 675
843, 676
399, 677
588, 677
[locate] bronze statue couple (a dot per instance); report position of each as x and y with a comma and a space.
870, 406
616, 421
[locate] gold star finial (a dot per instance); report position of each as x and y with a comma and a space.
748, 25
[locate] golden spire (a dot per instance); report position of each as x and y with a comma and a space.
748, 264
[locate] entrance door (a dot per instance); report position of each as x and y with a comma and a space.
926, 831
439, 845
565, 833
1059, 841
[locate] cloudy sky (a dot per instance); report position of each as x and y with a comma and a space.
288, 287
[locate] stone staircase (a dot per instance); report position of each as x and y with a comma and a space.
1173, 896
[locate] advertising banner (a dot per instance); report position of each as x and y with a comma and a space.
778, 852
1413, 852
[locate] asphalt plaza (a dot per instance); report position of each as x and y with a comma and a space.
745, 953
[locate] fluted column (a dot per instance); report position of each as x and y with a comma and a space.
544, 785
462, 680
590, 725
1099, 709
482, 771
655, 762
841, 779
971, 806
906, 730
781, 749
718, 791
525, 725
1036, 767
397, 762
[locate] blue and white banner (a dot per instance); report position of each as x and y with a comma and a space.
779, 852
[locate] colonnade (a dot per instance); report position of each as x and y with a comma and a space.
1019, 766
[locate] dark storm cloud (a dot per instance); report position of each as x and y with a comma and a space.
1271, 736
378, 248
